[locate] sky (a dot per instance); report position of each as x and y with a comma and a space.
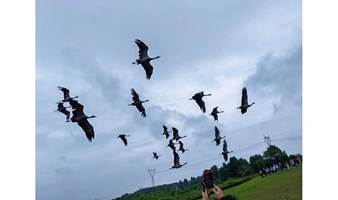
217, 47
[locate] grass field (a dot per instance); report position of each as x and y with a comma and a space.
285, 185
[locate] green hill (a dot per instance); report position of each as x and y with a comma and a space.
285, 185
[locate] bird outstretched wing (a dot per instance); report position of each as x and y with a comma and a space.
87, 128
135, 96
201, 104
148, 68
176, 158
217, 133
143, 49
244, 96
141, 109
65, 92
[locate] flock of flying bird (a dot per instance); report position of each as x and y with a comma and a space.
79, 117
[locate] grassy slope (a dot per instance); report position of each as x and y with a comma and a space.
285, 185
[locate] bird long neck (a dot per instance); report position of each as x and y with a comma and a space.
155, 58
144, 101
207, 95
252, 103
91, 116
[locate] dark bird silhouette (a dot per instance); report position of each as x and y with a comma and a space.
176, 136
78, 113
198, 99
82, 119
87, 128
244, 105
63, 110
123, 137
165, 132
172, 144
156, 156
66, 95
225, 150
138, 103
177, 161
215, 112
182, 147
217, 136
144, 59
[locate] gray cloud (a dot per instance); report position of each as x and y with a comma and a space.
88, 47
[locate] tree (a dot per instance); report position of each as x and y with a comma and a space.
257, 162
273, 155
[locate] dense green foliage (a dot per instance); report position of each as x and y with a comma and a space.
235, 172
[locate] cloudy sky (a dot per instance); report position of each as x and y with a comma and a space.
212, 46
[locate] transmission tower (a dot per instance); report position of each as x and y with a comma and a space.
152, 175
267, 139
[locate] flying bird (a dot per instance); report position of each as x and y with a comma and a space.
198, 99
137, 102
182, 147
172, 145
176, 136
156, 156
217, 136
165, 132
123, 137
215, 112
66, 95
82, 119
177, 161
63, 110
144, 59
225, 150
244, 105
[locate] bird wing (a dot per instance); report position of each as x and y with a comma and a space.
135, 96
154, 154
165, 129
217, 133
175, 132
141, 109
87, 128
225, 146
65, 92
176, 158
201, 104
148, 68
181, 145
143, 49
244, 97
124, 140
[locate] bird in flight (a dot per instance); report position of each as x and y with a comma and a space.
81, 119
137, 102
244, 104
198, 99
165, 132
176, 136
155, 155
215, 112
144, 59
177, 163
66, 95
217, 136
123, 137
